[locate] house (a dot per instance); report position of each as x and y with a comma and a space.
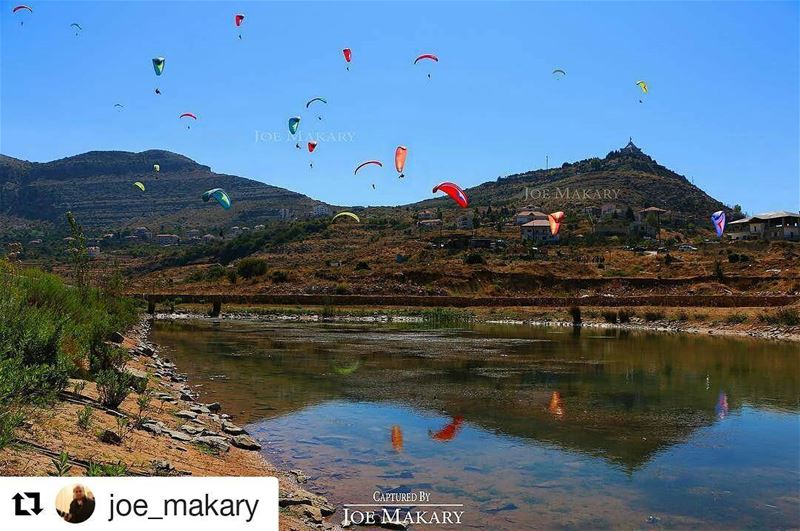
234, 232
286, 214
320, 211
609, 209
426, 215
193, 233
537, 230
142, 233
780, 225
525, 216
208, 238
430, 224
642, 229
465, 222
167, 239
593, 211
259, 227
35, 242
93, 252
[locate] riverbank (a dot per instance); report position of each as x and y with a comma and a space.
779, 324
162, 429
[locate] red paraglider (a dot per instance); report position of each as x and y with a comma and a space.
238, 19
348, 56
555, 220
312, 146
367, 163
188, 115
20, 7
449, 432
454, 191
426, 56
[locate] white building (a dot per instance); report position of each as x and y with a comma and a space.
167, 239
526, 216
320, 211
780, 225
537, 230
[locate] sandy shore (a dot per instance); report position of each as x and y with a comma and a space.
179, 436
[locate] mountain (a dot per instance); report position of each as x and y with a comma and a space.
98, 188
627, 177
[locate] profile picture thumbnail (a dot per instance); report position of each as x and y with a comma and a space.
75, 503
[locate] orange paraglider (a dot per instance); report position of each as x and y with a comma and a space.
400, 159
397, 438
555, 220
449, 432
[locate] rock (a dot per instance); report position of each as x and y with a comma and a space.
200, 410
192, 430
178, 435
110, 437
295, 498
163, 468
301, 478
312, 513
138, 379
232, 429
214, 406
218, 443
116, 337
146, 351
184, 414
186, 397
245, 442
153, 427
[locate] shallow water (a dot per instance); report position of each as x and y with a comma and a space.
522, 427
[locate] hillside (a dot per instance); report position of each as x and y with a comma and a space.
98, 187
627, 177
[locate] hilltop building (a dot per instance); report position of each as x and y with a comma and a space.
780, 225
526, 216
537, 230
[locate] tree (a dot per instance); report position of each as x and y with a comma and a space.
80, 255
629, 214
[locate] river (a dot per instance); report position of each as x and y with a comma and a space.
516, 427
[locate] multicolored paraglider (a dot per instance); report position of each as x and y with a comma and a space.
454, 191
219, 195
188, 115
238, 18
400, 160
718, 219
294, 123
555, 220
158, 65
22, 8
449, 432
139, 185
642, 85
348, 56
348, 214
426, 56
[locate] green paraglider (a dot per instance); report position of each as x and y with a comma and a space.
294, 123
219, 195
158, 65
139, 185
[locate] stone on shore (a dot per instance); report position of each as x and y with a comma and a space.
245, 442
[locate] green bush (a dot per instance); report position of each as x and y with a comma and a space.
784, 316
651, 316
474, 259
280, 276
248, 268
736, 318
610, 317
113, 387
625, 316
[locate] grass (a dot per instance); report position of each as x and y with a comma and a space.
782, 317
50, 331
735, 318
445, 316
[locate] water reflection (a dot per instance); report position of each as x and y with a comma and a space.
522, 425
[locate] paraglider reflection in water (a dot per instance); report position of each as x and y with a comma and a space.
237, 20
219, 195
454, 191
188, 115
139, 185
449, 432
348, 214
400, 160
555, 220
348, 370
718, 219
20, 11
555, 407
426, 56
722, 406
348, 55
397, 438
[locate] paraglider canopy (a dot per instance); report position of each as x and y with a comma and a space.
718, 219
294, 123
139, 185
642, 85
312, 100
76, 26
188, 115
219, 195
400, 159
156, 168
429, 56
312, 145
558, 73
454, 191
21, 7
238, 19
555, 220
348, 54
367, 163
158, 65
348, 214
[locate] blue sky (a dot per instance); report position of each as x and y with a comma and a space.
722, 107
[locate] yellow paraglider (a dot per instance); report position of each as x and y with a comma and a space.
139, 185
642, 85
349, 214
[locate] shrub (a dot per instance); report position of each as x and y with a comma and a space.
280, 276
735, 318
719, 273
575, 312
474, 259
625, 316
61, 465
85, 417
248, 268
342, 289
784, 316
113, 387
651, 316
106, 469
362, 266
610, 317
232, 276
